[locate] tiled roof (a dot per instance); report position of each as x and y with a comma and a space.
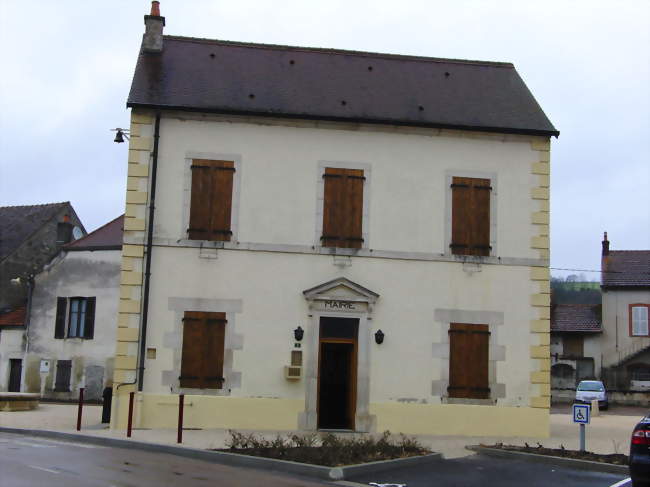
626, 268
107, 237
326, 84
576, 317
14, 317
17, 223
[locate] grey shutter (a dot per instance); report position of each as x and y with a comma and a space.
59, 326
89, 323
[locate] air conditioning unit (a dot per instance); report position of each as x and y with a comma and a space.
292, 372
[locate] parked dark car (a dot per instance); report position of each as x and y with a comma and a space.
640, 453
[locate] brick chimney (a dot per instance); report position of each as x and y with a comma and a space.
152, 40
605, 245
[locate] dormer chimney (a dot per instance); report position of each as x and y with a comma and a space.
152, 41
605, 245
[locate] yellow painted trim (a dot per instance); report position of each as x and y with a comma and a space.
544, 390
544, 253
127, 264
134, 156
126, 362
127, 334
540, 402
129, 306
544, 339
540, 351
132, 184
134, 224
141, 143
545, 205
540, 217
540, 377
541, 168
541, 299
131, 278
544, 364
540, 193
544, 313
544, 287
123, 319
544, 180
545, 156
540, 273
141, 118
540, 242
122, 348
136, 197
138, 170
125, 292
132, 250
540, 326
540, 144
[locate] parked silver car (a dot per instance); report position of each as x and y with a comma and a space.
588, 390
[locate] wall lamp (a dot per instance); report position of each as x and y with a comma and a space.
120, 135
298, 333
379, 337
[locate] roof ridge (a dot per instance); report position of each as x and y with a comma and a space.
329, 50
648, 251
36, 206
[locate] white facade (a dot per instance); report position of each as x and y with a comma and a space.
12, 347
275, 254
81, 273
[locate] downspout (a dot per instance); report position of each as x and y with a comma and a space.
147, 273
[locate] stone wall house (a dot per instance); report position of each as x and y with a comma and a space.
12, 348
326, 239
576, 332
71, 337
625, 286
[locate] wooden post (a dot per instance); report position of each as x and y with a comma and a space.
130, 424
80, 408
181, 401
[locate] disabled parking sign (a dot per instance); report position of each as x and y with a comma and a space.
581, 413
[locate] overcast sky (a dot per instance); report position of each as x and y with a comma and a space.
67, 67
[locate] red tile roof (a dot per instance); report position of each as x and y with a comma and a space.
626, 268
14, 317
576, 317
106, 237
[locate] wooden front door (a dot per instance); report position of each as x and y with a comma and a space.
15, 370
337, 373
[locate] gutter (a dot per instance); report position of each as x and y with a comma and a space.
147, 274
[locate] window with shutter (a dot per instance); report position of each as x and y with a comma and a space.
343, 208
468, 361
63, 372
61, 312
470, 216
211, 200
203, 350
81, 318
639, 319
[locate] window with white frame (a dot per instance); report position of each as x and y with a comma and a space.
639, 319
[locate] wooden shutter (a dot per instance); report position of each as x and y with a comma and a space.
211, 200
89, 323
59, 325
343, 208
573, 346
470, 216
468, 361
203, 350
63, 372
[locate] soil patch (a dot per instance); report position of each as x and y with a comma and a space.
612, 458
328, 450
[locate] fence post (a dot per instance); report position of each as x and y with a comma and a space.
181, 401
130, 424
80, 408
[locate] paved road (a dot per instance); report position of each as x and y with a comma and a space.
34, 462
482, 471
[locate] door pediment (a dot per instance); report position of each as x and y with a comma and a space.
341, 290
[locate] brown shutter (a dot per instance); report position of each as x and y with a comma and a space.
192, 354
203, 350
470, 216
343, 208
211, 200
63, 373
215, 327
89, 323
59, 326
468, 361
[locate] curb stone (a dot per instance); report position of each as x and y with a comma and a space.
558, 461
234, 459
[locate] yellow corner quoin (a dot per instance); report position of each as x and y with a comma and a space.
129, 306
543, 180
544, 338
541, 168
540, 273
136, 197
541, 144
127, 334
542, 299
540, 217
134, 224
540, 193
540, 242
138, 170
540, 351
141, 143
540, 326
132, 250
540, 402
544, 156
127, 362
540, 377
144, 118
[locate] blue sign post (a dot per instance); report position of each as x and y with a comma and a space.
582, 416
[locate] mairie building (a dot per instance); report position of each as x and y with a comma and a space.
320, 239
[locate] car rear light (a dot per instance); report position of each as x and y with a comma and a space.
641, 437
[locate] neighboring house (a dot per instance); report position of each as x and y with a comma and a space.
339, 240
71, 336
12, 348
575, 346
625, 286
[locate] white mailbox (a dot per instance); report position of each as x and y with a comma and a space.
45, 366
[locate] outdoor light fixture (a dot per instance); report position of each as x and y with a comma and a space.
298, 333
379, 337
121, 133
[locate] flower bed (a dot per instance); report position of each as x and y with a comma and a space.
612, 458
327, 449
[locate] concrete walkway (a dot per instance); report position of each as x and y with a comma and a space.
607, 433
